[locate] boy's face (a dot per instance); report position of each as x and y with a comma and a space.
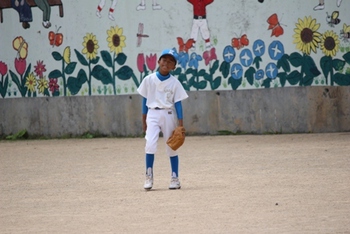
166, 64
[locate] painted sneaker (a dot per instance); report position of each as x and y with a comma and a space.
111, 17
175, 183
338, 3
98, 14
319, 7
156, 7
141, 7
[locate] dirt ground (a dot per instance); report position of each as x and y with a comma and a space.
297, 183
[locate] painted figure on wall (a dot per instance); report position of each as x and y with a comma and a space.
142, 5
111, 9
321, 5
200, 23
45, 7
24, 12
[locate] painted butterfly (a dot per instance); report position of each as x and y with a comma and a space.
275, 25
184, 46
55, 38
21, 46
239, 43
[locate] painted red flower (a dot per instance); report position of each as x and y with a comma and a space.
40, 68
209, 55
53, 86
20, 65
140, 62
3, 68
151, 61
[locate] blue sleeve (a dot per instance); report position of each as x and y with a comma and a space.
178, 108
144, 107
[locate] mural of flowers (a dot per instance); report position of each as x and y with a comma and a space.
306, 35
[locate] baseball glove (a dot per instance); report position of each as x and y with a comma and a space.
177, 138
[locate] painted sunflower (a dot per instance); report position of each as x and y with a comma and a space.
306, 36
31, 82
116, 39
90, 46
330, 43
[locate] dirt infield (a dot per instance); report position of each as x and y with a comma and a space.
297, 183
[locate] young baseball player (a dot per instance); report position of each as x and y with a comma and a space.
162, 111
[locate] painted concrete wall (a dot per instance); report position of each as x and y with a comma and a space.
293, 110
62, 48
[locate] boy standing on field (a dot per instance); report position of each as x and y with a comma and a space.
162, 95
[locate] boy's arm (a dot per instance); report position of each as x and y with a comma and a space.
144, 114
178, 108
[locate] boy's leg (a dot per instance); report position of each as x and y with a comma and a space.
320, 6
175, 182
149, 171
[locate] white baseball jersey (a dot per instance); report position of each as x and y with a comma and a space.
162, 94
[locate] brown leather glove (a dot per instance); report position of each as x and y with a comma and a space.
177, 138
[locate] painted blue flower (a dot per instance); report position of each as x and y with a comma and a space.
229, 54
276, 50
183, 59
259, 74
246, 57
236, 71
194, 59
259, 48
271, 70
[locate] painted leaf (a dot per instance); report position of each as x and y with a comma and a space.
338, 64
225, 69
296, 59
70, 68
55, 74
235, 83
283, 78
124, 73
266, 83
57, 56
307, 80
214, 67
294, 77
341, 79
257, 60
102, 74
107, 58
81, 58
216, 83
121, 58
283, 63
74, 84
249, 74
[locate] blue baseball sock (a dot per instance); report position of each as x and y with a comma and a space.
149, 161
174, 161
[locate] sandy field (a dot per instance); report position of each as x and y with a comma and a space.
294, 183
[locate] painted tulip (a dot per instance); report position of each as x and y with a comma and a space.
151, 62
140, 61
3, 68
20, 65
